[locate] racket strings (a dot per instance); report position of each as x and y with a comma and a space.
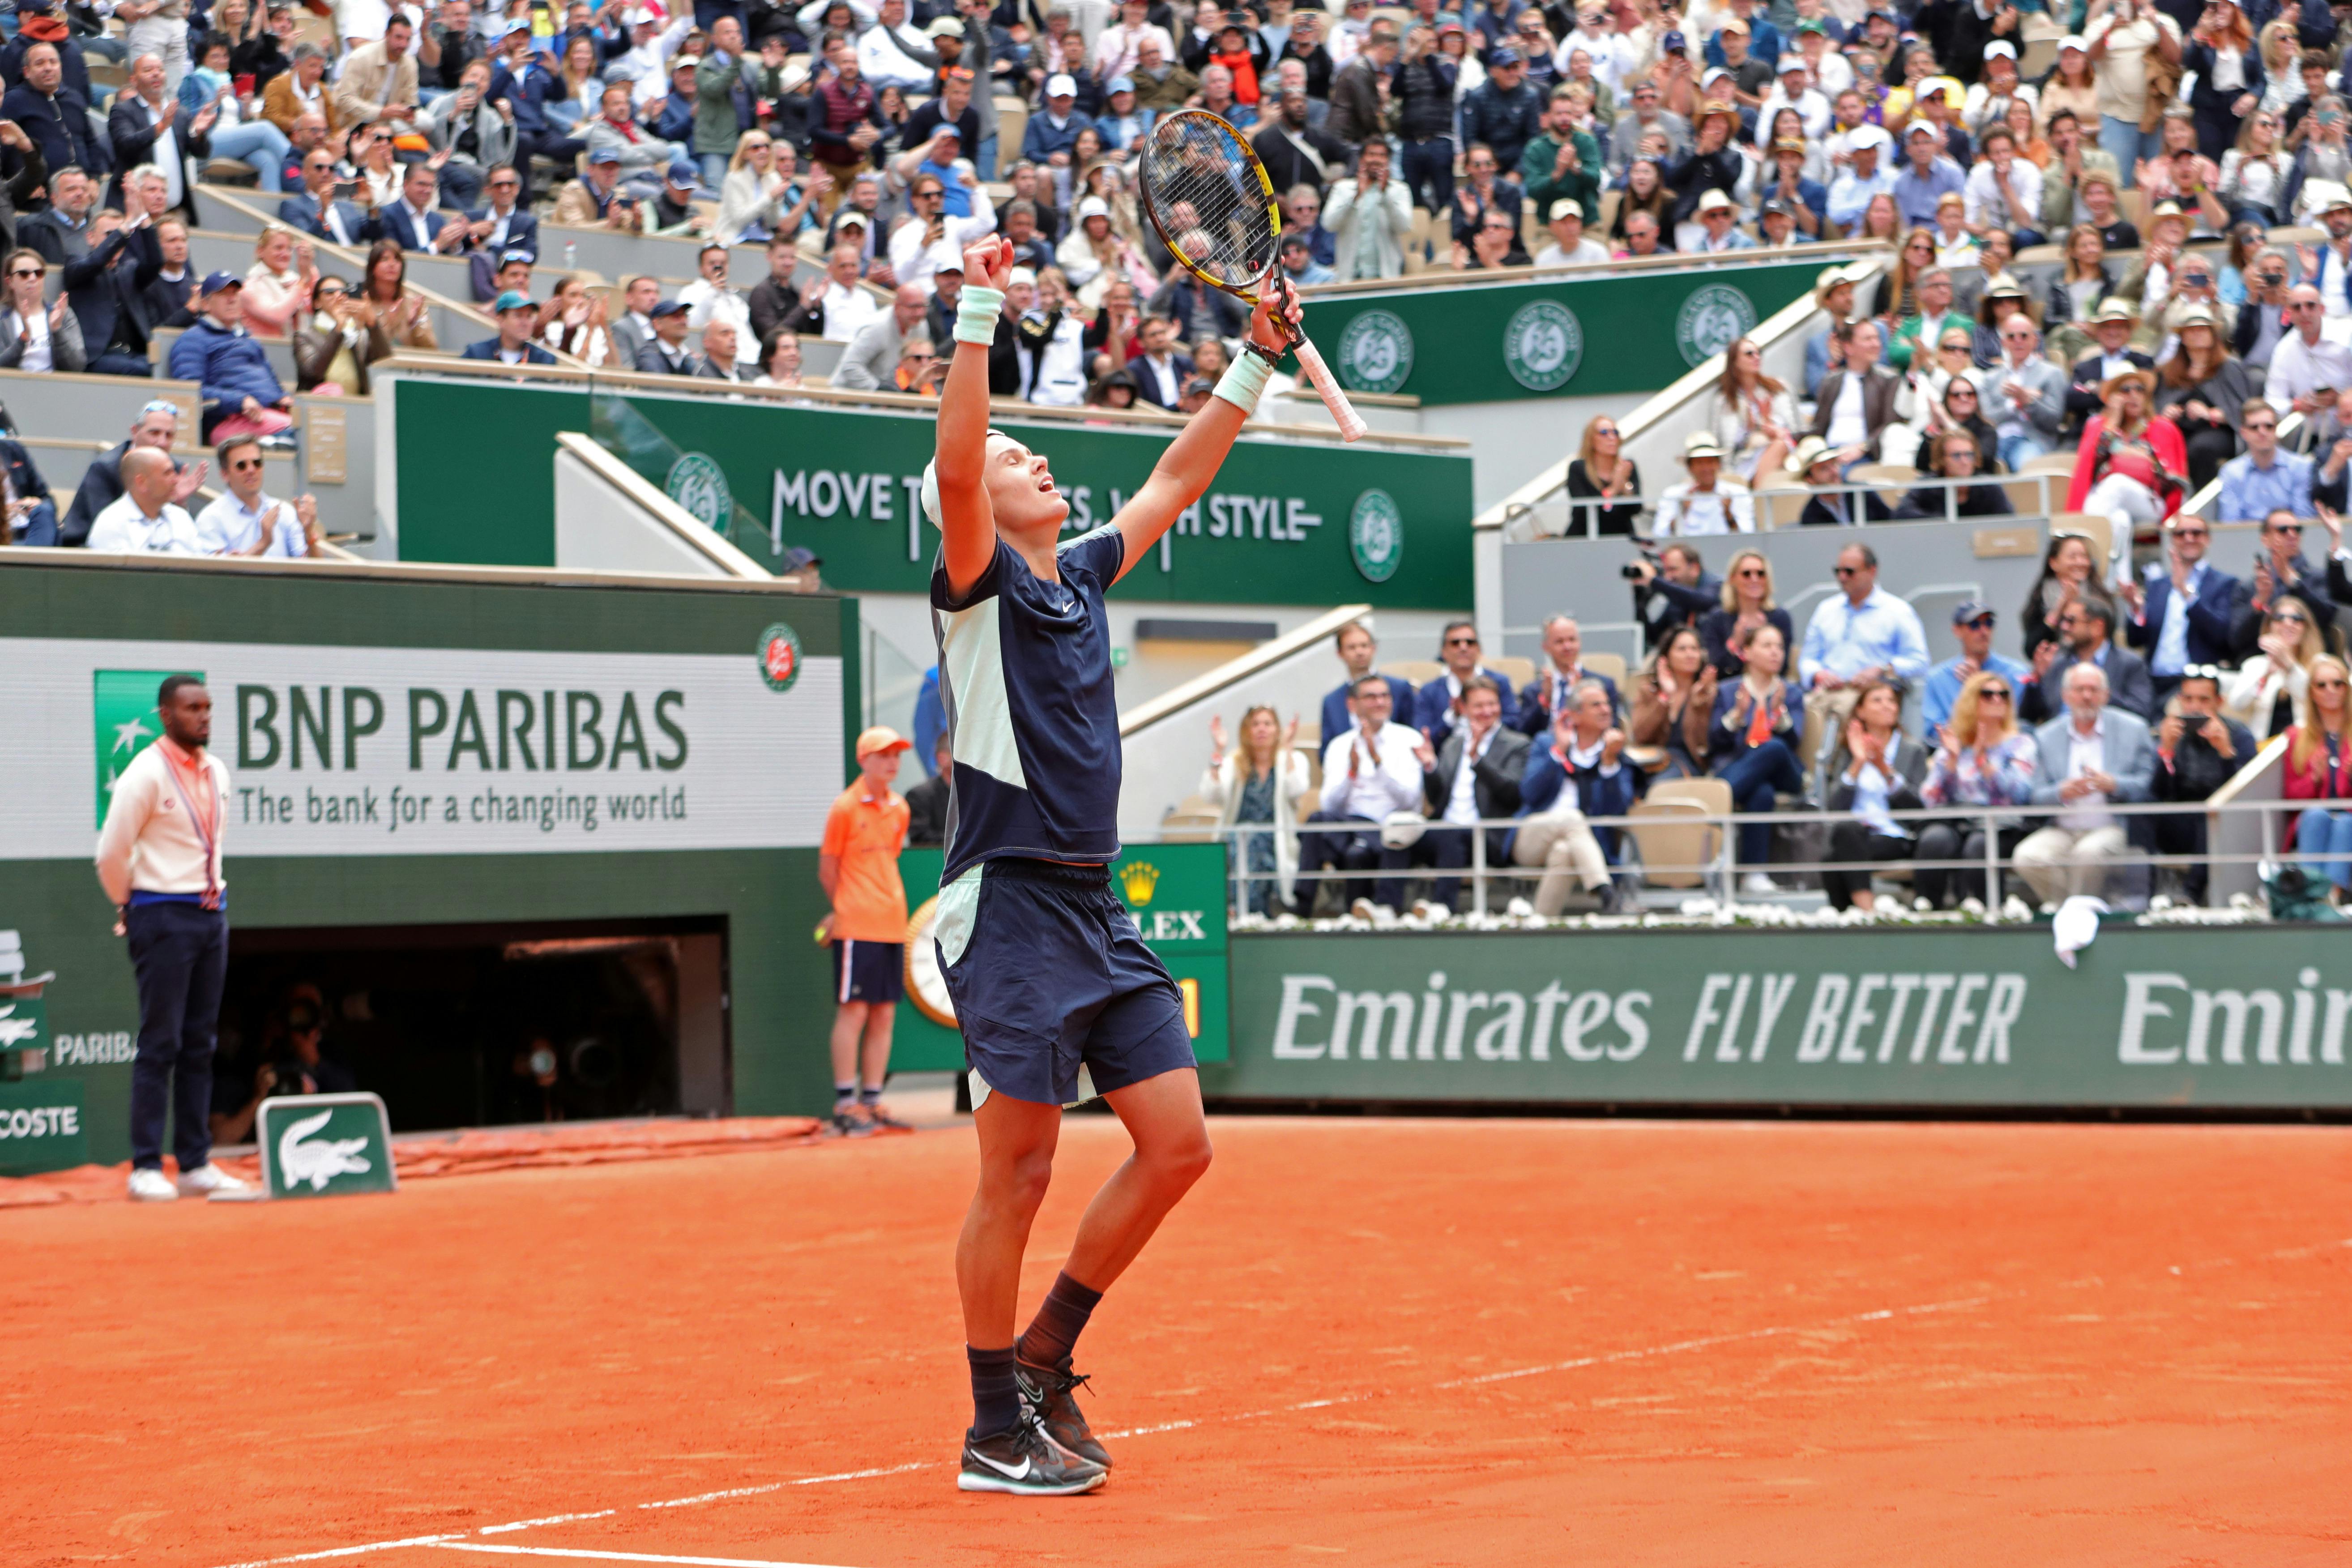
1208, 201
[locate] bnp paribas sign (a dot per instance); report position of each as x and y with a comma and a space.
402, 751
2248, 1016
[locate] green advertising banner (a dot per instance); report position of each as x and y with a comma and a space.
1176, 894
324, 1145
41, 1126
2253, 1016
1288, 521
1549, 336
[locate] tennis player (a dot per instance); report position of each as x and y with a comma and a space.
1057, 995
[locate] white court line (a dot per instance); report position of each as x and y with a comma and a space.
619, 1556
1882, 1314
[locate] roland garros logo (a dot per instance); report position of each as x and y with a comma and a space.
779, 657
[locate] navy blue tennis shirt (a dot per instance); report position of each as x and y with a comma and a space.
1025, 678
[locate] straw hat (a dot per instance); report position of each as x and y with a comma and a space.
2145, 378
1813, 450
1700, 443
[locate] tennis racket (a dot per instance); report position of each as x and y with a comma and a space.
1209, 199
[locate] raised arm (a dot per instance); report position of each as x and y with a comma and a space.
1192, 459
967, 522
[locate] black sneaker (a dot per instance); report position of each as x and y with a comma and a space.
885, 1122
1024, 1462
1051, 1394
846, 1125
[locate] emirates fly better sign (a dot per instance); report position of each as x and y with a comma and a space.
405, 750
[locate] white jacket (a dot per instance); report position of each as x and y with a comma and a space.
1382, 224
1223, 784
2256, 689
148, 843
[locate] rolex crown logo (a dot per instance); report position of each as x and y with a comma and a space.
1139, 877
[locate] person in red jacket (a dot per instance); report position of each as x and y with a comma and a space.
2132, 465
2319, 768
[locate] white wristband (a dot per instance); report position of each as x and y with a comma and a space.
1243, 379
976, 314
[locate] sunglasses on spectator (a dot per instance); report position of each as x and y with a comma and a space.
2266, 425
1460, 642
1846, 571
28, 273
1751, 572
2193, 532
1604, 430
244, 465
2294, 528
2017, 337
1992, 692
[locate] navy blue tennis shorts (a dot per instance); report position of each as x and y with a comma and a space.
1051, 978
868, 971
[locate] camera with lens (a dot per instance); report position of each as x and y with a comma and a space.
1632, 571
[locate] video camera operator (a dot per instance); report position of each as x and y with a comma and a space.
1672, 588
290, 1064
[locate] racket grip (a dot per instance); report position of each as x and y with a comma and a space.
1351, 424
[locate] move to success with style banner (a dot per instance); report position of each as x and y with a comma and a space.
414, 750
2242, 1016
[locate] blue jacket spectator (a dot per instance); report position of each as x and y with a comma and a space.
1506, 119
1043, 138
2172, 632
25, 482
1538, 698
489, 349
58, 124
1597, 792
228, 365
302, 214
1432, 705
73, 66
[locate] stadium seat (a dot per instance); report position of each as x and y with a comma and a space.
1520, 670
1675, 840
2049, 463
1419, 671
1780, 499
1611, 665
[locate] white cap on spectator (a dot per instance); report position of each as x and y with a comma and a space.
1022, 275
1093, 206
1712, 77
1869, 136
1715, 201
1059, 85
2074, 41
2327, 195
2000, 49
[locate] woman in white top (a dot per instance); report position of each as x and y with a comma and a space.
35, 335
2281, 73
779, 361
1093, 256
2269, 692
1919, 402
576, 324
583, 92
1263, 780
758, 200
2255, 172
1752, 416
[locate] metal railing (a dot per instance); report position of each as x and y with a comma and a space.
1779, 506
1719, 866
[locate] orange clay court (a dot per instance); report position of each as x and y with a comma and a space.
1407, 1341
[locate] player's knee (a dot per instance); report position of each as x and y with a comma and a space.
1181, 1164
1022, 1179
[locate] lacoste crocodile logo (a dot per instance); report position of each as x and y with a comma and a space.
318, 1163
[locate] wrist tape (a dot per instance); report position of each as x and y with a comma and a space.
1243, 379
976, 313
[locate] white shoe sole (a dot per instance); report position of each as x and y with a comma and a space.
966, 1481
170, 1197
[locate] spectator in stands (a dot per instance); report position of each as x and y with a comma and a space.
1859, 635
2265, 478
319, 211
1752, 744
135, 280
1673, 704
1555, 683
2086, 636
1981, 760
1830, 504
1953, 455
2132, 465
471, 137
1437, 707
721, 359
1569, 247
415, 219
1752, 416
1370, 215
32, 512
377, 83
1928, 176
1504, 112
926, 803
1646, 119
279, 284
1716, 164
2182, 615
1861, 181
241, 393
2091, 756
1705, 503
1473, 773
300, 90
2197, 751
1052, 133
833, 306
2068, 574
1562, 163
1916, 336
2280, 572
2271, 691
1672, 589
247, 522
2319, 768
34, 336
1261, 781
1972, 626
145, 520
1577, 771
386, 300
1746, 604
1495, 244
1371, 770
710, 298
2024, 396
2306, 366
517, 320
1363, 90
145, 127
780, 360
2120, 42
60, 233
333, 345
873, 355
597, 199
1874, 771
668, 353
1856, 402
53, 115
1356, 648
633, 328
1601, 473
1484, 191
156, 428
